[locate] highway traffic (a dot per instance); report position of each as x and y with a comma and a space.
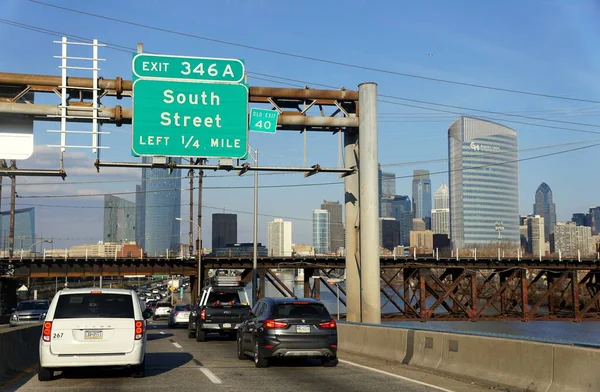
173, 361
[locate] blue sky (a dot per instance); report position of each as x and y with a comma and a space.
542, 46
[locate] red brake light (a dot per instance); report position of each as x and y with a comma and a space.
47, 332
175, 314
139, 329
95, 292
329, 324
203, 314
272, 324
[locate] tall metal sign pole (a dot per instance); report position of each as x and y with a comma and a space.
351, 208
369, 204
13, 195
255, 236
199, 240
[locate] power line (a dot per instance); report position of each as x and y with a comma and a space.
310, 58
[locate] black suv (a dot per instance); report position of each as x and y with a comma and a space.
288, 328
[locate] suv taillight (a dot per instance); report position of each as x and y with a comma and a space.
47, 331
203, 314
139, 329
272, 324
329, 324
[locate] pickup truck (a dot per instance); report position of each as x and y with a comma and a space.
220, 309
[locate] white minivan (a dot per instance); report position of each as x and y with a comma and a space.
93, 327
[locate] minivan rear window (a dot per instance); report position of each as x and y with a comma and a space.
94, 306
299, 310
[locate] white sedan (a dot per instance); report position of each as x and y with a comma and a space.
179, 315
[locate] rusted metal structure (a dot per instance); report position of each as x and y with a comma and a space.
426, 289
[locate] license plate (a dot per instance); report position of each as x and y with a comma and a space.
93, 335
226, 325
303, 328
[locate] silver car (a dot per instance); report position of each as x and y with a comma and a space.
30, 311
179, 315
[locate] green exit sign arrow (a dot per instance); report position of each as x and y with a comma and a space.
189, 119
152, 66
263, 120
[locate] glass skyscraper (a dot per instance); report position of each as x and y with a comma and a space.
387, 191
321, 235
161, 193
119, 219
24, 229
484, 182
421, 196
545, 208
224, 230
402, 212
336, 226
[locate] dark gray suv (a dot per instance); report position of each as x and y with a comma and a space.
30, 311
288, 328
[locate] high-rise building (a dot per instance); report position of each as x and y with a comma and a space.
580, 219
119, 219
336, 226
389, 233
545, 207
421, 196
484, 182
594, 220
24, 229
321, 235
441, 197
387, 191
402, 212
418, 224
536, 244
570, 238
224, 230
440, 215
280, 238
140, 216
161, 193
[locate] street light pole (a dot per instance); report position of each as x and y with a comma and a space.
199, 251
255, 233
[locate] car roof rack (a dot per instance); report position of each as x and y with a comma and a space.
224, 281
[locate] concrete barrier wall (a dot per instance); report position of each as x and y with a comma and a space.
524, 365
19, 348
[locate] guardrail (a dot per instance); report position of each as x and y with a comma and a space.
526, 365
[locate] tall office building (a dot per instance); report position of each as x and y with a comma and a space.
119, 219
580, 219
484, 182
161, 194
421, 196
224, 230
545, 208
280, 238
570, 238
594, 220
140, 216
24, 229
387, 191
389, 233
336, 226
440, 215
536, 243
321, 235
402, 212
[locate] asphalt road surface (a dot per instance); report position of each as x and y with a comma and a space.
174, 362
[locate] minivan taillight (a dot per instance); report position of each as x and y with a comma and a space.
47, 331
203, 314
329, 324
139, 329
272, 324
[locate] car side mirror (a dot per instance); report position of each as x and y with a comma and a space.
146, 314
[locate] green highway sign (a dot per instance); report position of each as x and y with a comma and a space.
183, 119
152, 66
263, 120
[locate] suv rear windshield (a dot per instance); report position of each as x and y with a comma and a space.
223, 298
163, 305
300, 310
183, 308
37, 305
94, 306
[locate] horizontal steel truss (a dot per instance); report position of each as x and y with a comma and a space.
292, 103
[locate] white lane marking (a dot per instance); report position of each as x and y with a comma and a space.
210, 375
396, 376
177, 345
162, 333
